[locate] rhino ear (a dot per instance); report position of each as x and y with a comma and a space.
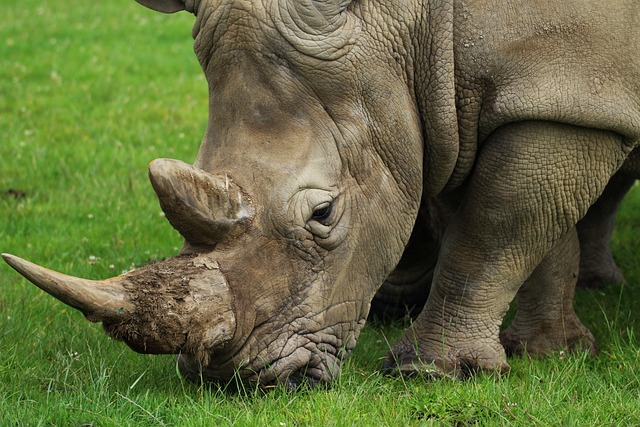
166, 6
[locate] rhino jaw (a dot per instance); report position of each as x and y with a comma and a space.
181, 305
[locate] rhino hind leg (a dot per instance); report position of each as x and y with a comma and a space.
404, 293
597, 266
399, 297
545, 321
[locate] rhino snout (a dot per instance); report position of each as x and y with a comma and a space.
181, 305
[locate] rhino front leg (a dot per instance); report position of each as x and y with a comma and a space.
545, 321
533, 182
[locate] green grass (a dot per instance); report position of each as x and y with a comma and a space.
91, 92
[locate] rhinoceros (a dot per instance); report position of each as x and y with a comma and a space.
330, 123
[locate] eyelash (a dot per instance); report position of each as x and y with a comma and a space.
323, 213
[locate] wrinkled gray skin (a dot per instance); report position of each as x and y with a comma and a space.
331, 121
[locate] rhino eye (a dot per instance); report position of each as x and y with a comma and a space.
322, 213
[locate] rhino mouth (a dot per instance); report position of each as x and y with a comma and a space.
291, 359
311, 374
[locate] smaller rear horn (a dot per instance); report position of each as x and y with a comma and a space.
204, 208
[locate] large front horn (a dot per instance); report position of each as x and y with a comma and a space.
204, 208
99, 301
180, 305
171, 6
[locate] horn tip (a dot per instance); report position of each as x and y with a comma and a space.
160, 163
155, 162
161, 169
26, 268
13, 260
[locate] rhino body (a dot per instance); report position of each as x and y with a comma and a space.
331, 123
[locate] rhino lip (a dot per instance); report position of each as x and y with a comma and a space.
302, 361
302, 380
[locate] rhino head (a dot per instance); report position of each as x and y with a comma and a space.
300, 202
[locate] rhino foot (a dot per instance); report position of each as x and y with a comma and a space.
597, 266
597, 278
539, 341
433, 361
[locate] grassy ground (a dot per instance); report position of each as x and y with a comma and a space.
89, 94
